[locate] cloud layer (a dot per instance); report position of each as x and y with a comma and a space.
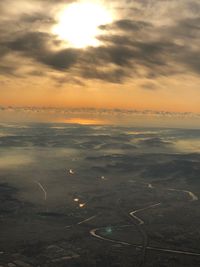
147, 39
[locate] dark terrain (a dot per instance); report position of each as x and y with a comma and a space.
73, 195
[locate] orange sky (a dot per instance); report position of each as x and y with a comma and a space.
143, 62
181, 97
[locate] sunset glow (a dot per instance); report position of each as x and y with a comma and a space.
98, 54
84, 121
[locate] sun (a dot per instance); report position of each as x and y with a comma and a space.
78, 24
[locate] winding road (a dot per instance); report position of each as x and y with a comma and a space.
191, 195
139, 222
94, 233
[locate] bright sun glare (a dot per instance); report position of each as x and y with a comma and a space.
78, 24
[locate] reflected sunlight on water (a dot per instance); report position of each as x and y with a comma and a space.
82, 205
189, 145
85, 121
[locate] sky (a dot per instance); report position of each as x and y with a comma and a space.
126, 54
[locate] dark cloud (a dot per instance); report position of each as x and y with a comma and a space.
113, 76
61, 60
187, 28
7, 70
37, 18
128, 45
127, 25
68, 80
37, 45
